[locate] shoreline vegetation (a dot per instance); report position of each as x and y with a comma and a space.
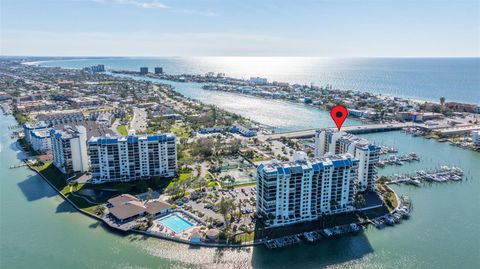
71, 192
49, 59
206, 150
91, 209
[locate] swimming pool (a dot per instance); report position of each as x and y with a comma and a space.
176, 223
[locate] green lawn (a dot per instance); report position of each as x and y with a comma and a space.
21, 118
245, 237
122, 129
180, 178
213, 183
181, 131
245, 184
57, 179
54, 176
135, 187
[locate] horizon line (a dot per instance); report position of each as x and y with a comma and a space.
232, 56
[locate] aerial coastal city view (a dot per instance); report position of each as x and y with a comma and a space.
253, 134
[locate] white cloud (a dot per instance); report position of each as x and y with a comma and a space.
138, 3
155, 43
20, 42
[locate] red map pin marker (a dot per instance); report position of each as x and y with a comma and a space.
339, 114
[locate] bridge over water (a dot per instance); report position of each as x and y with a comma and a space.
355, 129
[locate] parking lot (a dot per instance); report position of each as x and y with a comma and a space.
204, 202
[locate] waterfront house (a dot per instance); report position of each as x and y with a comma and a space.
157, 208
127, 207
121, 199
127, 211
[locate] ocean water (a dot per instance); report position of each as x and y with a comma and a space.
288, 116
39, 230
456, 79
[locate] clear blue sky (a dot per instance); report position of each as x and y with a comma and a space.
331, 28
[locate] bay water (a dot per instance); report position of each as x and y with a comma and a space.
38, 229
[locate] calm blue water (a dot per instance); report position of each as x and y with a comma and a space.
457, 79
442, 232
176, 223
39, 230
288, 116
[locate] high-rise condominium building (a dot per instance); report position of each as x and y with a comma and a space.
37, 126
143, 70
69, 149
40, 140
158, 70
305, 189
132, 157
329, 141
476, 138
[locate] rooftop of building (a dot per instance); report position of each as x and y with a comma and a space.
36, 125
41, 133
336, 160
51, 116
93, 129
107, 139
126, 206
118, 200
350, 138
67, 132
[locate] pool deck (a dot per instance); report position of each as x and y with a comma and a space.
129, 227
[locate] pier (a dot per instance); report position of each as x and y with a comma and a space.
443, 174
356, 129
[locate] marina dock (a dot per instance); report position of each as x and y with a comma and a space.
398, 159
443, 174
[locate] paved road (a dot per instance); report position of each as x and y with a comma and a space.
139, 121
350, 129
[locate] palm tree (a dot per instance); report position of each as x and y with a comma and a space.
150, 218
239, 209
225, 206
74, 185
99, 210
442, 101
359, 201
149, 194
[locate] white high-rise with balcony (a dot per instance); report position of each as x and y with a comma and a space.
368, 154
476, 138
69, 149
132, 157
305, 189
